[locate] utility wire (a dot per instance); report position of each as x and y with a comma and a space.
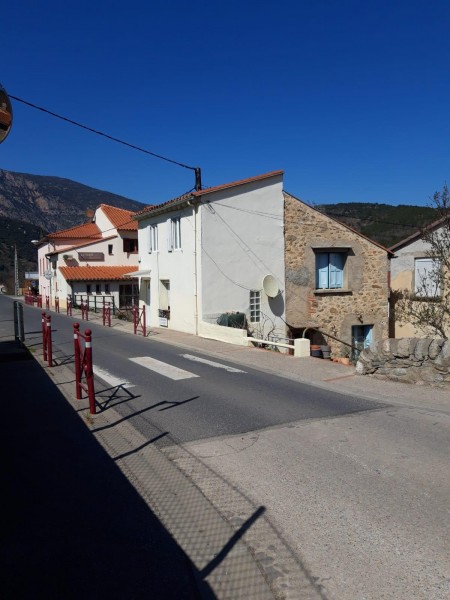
109, 137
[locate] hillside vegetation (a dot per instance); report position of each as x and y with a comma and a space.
382, 223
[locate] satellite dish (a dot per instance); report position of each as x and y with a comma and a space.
5, 114
270, 286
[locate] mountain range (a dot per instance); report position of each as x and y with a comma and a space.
33, 205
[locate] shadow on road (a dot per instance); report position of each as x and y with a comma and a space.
72, 524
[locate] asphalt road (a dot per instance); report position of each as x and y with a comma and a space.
216, 398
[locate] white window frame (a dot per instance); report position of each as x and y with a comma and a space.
255, 306
423, 268
176, 233
152, 238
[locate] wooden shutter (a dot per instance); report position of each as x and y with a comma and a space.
337, 260
322, 270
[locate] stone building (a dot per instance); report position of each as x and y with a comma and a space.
336, 281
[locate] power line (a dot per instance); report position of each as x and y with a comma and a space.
101, 133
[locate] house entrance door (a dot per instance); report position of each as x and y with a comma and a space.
361, 338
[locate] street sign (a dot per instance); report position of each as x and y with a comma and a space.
6, 117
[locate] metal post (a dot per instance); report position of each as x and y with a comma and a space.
144, 322
16, 272
89, 371
21, 322
44, 336
76, 344
49, 341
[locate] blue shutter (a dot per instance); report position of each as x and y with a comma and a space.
322, 270
337, 260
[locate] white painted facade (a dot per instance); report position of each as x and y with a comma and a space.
231, 238
61, 252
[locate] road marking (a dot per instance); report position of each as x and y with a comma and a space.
211, 363
162, 368
111, 379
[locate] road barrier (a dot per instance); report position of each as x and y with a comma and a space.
47, 338
106, 314
57, 304
84, 307
83, 366
139, 320
69, 307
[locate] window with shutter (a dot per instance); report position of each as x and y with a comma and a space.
427, 275
330, 270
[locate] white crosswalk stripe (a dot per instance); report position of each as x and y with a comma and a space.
163, 368
111, 379
212, 363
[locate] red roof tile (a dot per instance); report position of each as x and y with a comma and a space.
120, 218
86, 230
200, 193
95, 273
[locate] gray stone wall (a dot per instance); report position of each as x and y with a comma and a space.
412, 360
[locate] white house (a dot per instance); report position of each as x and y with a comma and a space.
91, 258
207, 253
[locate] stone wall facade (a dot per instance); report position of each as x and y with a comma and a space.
363, 300
411, 360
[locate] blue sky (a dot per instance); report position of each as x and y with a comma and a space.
349, 98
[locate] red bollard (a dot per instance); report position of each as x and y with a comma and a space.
44, 334
69, 308
89, 371
57, 304
76, 343
47, 348
106, 314
83, 365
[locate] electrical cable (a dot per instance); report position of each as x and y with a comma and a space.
101, 133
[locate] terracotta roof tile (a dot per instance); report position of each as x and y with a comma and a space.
199, 193
120, 218
95, 273
86, 230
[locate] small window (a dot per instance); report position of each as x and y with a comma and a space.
427, 277
110, 249
153, 238
88, 288
330, 270
98, 288
130, 246
255, 306
174, 234
106, 288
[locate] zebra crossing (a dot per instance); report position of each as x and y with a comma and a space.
162, 368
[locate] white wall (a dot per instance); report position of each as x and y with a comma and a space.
242, 241
227, 249
176, 266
